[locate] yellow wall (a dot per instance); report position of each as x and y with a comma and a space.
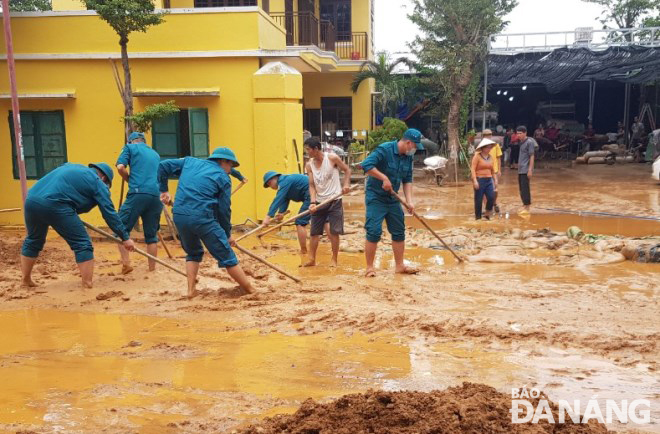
204, 31
337, 84
258, 118
174, 4
92, 120
361, 21
277, 123
68, 5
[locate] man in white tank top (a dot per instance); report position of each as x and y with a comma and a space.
323, 173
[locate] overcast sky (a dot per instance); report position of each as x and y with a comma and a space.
394, 30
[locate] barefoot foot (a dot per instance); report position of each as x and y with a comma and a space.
407, 270
28, 283
309, 263
126, 269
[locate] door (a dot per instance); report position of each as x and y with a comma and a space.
288, 21
307, 27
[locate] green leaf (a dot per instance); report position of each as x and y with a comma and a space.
143, 120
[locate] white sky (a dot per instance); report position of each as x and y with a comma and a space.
394, 30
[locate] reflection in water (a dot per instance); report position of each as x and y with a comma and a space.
60, 370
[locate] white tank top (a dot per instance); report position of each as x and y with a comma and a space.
326, 179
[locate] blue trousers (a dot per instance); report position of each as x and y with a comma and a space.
195, 230
391, 212
146, 206
304, 221
40, 216
486, 187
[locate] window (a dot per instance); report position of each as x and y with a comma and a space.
223, 3
182, 134
338, 12
337, 114
44, 142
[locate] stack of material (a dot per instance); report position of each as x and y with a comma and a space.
609, 154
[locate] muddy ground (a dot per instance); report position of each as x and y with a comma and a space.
531, 307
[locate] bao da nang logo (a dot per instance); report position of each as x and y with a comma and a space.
530, 406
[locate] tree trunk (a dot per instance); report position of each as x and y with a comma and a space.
459, 85
453, 127
128, 90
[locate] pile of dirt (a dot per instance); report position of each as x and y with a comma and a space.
470, 408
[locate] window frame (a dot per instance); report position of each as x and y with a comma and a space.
224, 3
188, 130
38, 141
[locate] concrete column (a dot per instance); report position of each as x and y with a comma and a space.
278, 121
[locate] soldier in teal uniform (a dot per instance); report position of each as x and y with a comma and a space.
202, 211
388, 167
56, 200
142, 200
289, 188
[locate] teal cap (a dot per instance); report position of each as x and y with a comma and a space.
414, 136
106, 169
135, 135
224, 154
270, 175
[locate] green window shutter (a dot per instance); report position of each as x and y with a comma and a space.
199, 132
165, 132
44, 142
51, 139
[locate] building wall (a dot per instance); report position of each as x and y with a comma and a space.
68, 53
94, 131
334, 84
212, 31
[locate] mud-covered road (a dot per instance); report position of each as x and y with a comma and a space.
531, 307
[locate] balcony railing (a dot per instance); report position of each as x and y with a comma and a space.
353, 46
303, 28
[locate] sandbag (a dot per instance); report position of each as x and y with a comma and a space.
596, 160
625, 159
591, 154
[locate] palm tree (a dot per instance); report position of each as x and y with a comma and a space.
391, 86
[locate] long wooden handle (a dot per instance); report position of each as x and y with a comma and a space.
10, 209
303, 214
162, 240
255, 230
121, 193
426, 225
170, 222
238, 187
141, 252
265, 262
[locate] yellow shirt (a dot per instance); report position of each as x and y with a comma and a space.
496, 153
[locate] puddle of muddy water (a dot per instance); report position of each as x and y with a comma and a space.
66, 371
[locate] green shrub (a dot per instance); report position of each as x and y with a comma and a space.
392, 129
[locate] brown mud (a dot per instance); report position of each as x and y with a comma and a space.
530, 307
470, 408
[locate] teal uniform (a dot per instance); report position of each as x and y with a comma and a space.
202, 208
291, 188
57, 199
143, 198
380, 204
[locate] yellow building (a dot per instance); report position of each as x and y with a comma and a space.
248, 74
